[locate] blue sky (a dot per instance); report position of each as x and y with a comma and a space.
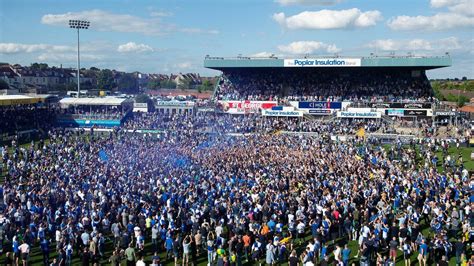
174, 36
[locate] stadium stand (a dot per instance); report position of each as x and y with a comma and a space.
324, 85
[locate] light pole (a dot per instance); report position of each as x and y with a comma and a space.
78, 24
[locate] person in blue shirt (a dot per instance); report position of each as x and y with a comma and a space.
324, 251
44, 244
271, 225
314, 228
346, 253
130, 227
16, 250
169, 247
423, 250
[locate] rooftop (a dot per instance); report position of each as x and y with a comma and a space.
415, 62
109, 101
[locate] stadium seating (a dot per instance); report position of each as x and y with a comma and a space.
324, 85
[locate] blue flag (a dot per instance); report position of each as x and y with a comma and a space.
374, 160
103, 156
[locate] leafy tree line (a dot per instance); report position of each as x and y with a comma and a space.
448, 85
456, 84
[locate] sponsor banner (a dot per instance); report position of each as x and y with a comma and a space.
401, 105
394, 112
283, 108
343, 105
206, 110
359, 114
380, 105
322, 62
140, 107
174, 103
282, 113
360, 110
88, 123
320, 111
320, 105
445, 113
414, 112
244, 107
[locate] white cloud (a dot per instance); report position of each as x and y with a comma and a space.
465, 7
13, 48
440, 21
64, 58
308, 2
460, 15
198, 31
106, 21
452, 43
456, 6
443, 3
329, 19
161, 14
132, 47
447, 44
183, 65
308, 47
262, 54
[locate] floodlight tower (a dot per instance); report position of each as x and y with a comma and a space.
78, 24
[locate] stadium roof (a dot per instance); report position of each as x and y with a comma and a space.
20, 99
221, 63
109, 101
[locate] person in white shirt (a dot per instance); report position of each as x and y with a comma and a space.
291, 218
300, 229
141, 262
219, 230
337, 254
85, 238
25, 252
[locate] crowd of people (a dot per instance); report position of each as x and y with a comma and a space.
25, 117
195, 194
324, 85
249, 123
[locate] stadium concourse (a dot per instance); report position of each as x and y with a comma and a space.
264, 174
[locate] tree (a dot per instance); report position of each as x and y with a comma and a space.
207, 85
40, 66
462, 100
105, 80
4, 85
94, 69
153, 85
142, 98
184, 84
127, 83
437, 90
168, 84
